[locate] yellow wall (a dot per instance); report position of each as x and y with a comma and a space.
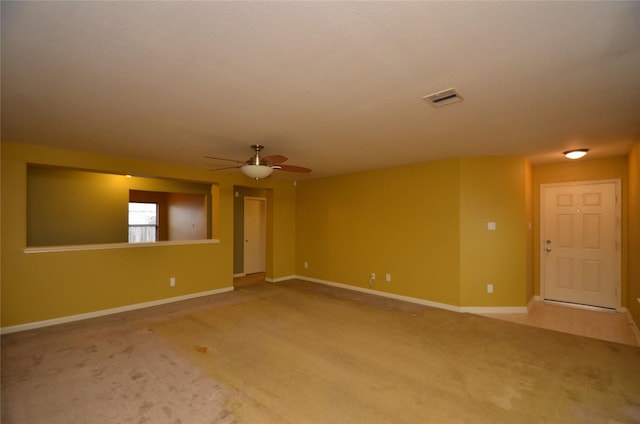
493, 190
402, 221
634, 234
42, 286
426, 225
281, 222
68, 206
528, 175
581, 170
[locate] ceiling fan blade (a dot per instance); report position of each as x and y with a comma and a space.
226, 167
292, 168
228, 160
275, 159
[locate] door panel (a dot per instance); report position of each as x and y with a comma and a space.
254, 235
580, 255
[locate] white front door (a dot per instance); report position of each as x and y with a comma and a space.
254, 234
580, 243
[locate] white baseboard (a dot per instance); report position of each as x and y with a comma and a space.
79, 317
242, 274
494, 309
446, 306
279, 279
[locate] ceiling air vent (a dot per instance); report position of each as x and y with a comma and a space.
443, 98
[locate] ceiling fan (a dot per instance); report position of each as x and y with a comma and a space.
258, 167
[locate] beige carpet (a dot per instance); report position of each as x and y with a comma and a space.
298, 352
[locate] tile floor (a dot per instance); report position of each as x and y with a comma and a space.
598, 324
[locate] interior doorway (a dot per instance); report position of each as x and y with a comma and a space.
580, 241
254, 234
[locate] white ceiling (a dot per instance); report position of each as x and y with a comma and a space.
336, 86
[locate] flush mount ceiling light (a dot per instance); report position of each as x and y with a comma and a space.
575, 153
444, 97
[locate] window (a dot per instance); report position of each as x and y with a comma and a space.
143, 222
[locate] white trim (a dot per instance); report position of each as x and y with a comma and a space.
109, 246
446, 306
279, 279
242, 274
95, 314
494, 309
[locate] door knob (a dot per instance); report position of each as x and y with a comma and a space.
547, 249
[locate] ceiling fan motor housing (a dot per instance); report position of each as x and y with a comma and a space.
256, 160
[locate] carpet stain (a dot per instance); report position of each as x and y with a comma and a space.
145, 407
167, 411
91, 349
201, 349
136, 375
126, 351
98, 372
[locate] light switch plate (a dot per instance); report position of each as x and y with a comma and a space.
491, 226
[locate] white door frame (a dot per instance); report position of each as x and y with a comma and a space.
618, 235
263, 231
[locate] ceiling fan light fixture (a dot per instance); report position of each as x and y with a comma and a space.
575, 153
256, 171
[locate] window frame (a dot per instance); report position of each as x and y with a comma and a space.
156, 226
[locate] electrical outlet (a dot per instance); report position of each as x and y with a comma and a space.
489, 288
306, 265
373, 275
388, 277
172, 281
